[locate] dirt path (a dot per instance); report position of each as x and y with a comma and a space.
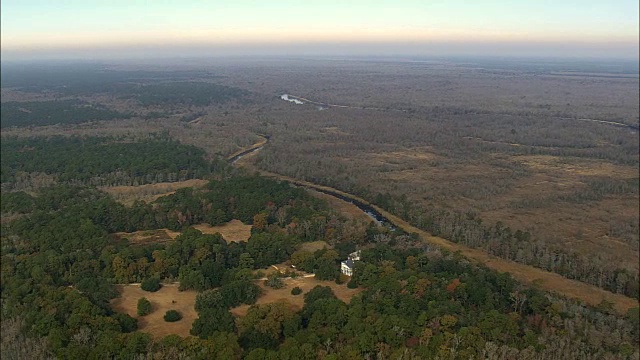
549, 281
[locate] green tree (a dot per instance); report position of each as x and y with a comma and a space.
151, 284
144, 307
296, 291
211, 321
274, 281
172, 316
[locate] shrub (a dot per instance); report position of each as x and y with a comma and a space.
296, 291
274, 281
144, 307
352, 284
341, 278
151, 284
172, 315
127, 323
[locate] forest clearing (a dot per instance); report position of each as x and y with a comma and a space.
233, 231
127, 195
167, 298
295, 302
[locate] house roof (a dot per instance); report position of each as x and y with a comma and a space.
348, 263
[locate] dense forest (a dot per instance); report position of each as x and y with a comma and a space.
148, 88
86, 78
102, 161
67, 112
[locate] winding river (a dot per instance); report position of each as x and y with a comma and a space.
367, 209
301, 101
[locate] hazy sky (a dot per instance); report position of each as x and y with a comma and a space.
80, 28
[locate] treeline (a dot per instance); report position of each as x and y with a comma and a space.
102, 160
84, 78
186, 93
66, 112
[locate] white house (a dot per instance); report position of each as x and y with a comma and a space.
346, 266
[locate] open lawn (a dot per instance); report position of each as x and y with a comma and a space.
296, 302
167, 298
233, 231
314, 246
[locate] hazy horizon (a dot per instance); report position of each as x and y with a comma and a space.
33, 29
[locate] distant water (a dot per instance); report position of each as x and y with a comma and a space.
287, 98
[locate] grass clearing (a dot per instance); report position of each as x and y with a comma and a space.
127, 195
568, 166
314, 246
145, 237
296, 302
167, 298
233, 231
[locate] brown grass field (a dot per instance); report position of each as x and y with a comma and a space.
582, 227
149, 192
296, 301
167, 298
233, 231
314, 246
144, 237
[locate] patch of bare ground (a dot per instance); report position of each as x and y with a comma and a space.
334, 130
145, 237
411, 154
233, 231
5, 219
572, 166
314, 246
296, 302
127, 195
167, 298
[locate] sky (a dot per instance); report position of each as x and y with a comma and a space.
77, 28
